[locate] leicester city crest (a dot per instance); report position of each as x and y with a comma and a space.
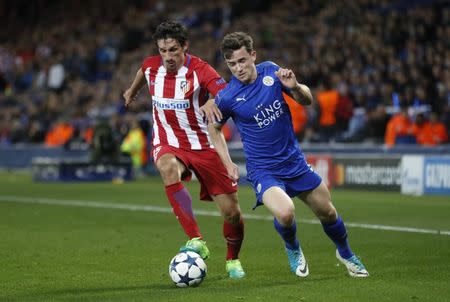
268, 81
184, 86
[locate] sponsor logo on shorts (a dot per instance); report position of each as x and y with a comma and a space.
258, 188
233, 183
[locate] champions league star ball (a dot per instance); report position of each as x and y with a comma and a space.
187, 269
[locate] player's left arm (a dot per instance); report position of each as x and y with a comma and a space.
130, 94
300, 92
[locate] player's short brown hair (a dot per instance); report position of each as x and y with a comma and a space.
235, 41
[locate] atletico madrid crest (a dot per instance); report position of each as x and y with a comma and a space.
185, 86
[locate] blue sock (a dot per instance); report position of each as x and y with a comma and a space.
337, 232
289, 234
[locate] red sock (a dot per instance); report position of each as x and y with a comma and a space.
181, 203
234, 234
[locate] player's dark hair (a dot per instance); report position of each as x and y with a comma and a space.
235, 41
171, 30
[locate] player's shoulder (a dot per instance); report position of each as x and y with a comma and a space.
267, 66
229, 90
195, 62
152, 62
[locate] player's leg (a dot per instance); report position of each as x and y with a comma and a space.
233, 231
233, 225
282, 208
171, 170
217, 186
319, 200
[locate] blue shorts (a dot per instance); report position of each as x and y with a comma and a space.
264, 180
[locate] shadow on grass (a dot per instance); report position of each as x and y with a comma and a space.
211, 286
159, 287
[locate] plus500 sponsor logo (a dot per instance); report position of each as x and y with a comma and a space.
170, 104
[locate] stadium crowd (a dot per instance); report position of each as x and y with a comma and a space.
379, 70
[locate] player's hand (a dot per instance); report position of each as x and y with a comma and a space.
287, 77
210, 112
129, 97
233, 171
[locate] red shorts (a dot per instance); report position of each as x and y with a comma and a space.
206, 165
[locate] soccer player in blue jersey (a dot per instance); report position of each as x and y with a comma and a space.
276, 166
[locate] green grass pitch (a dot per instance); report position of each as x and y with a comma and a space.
76, 252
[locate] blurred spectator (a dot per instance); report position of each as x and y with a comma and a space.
377, 123
430, 133
135, 145
328, 102
399, 129
344, 109
356, 129
59, 134
299, 116
56, 75
104, 147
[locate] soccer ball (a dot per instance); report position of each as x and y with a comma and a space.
187, 269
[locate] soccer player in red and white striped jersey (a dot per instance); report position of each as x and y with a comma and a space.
179, 84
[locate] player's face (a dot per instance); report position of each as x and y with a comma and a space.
172, 53
242, 65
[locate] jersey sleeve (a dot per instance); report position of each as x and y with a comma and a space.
211, 80
145, 64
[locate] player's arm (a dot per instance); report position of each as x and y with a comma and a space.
300, 92
131, 93
211, 112
213, 83
218, 140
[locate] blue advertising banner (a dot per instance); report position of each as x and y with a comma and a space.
436, 175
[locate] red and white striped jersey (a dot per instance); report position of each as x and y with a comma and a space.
176, 99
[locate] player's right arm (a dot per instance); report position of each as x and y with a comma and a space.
218, 140
300, 92
131, 93
213, 83
211, 112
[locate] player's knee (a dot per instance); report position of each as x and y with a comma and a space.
327, 214
168, 170
286, 217
233, 216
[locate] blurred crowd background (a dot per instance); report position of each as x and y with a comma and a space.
379, 69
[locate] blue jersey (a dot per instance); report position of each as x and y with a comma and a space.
264, 121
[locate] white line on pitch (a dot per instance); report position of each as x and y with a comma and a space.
147, 208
